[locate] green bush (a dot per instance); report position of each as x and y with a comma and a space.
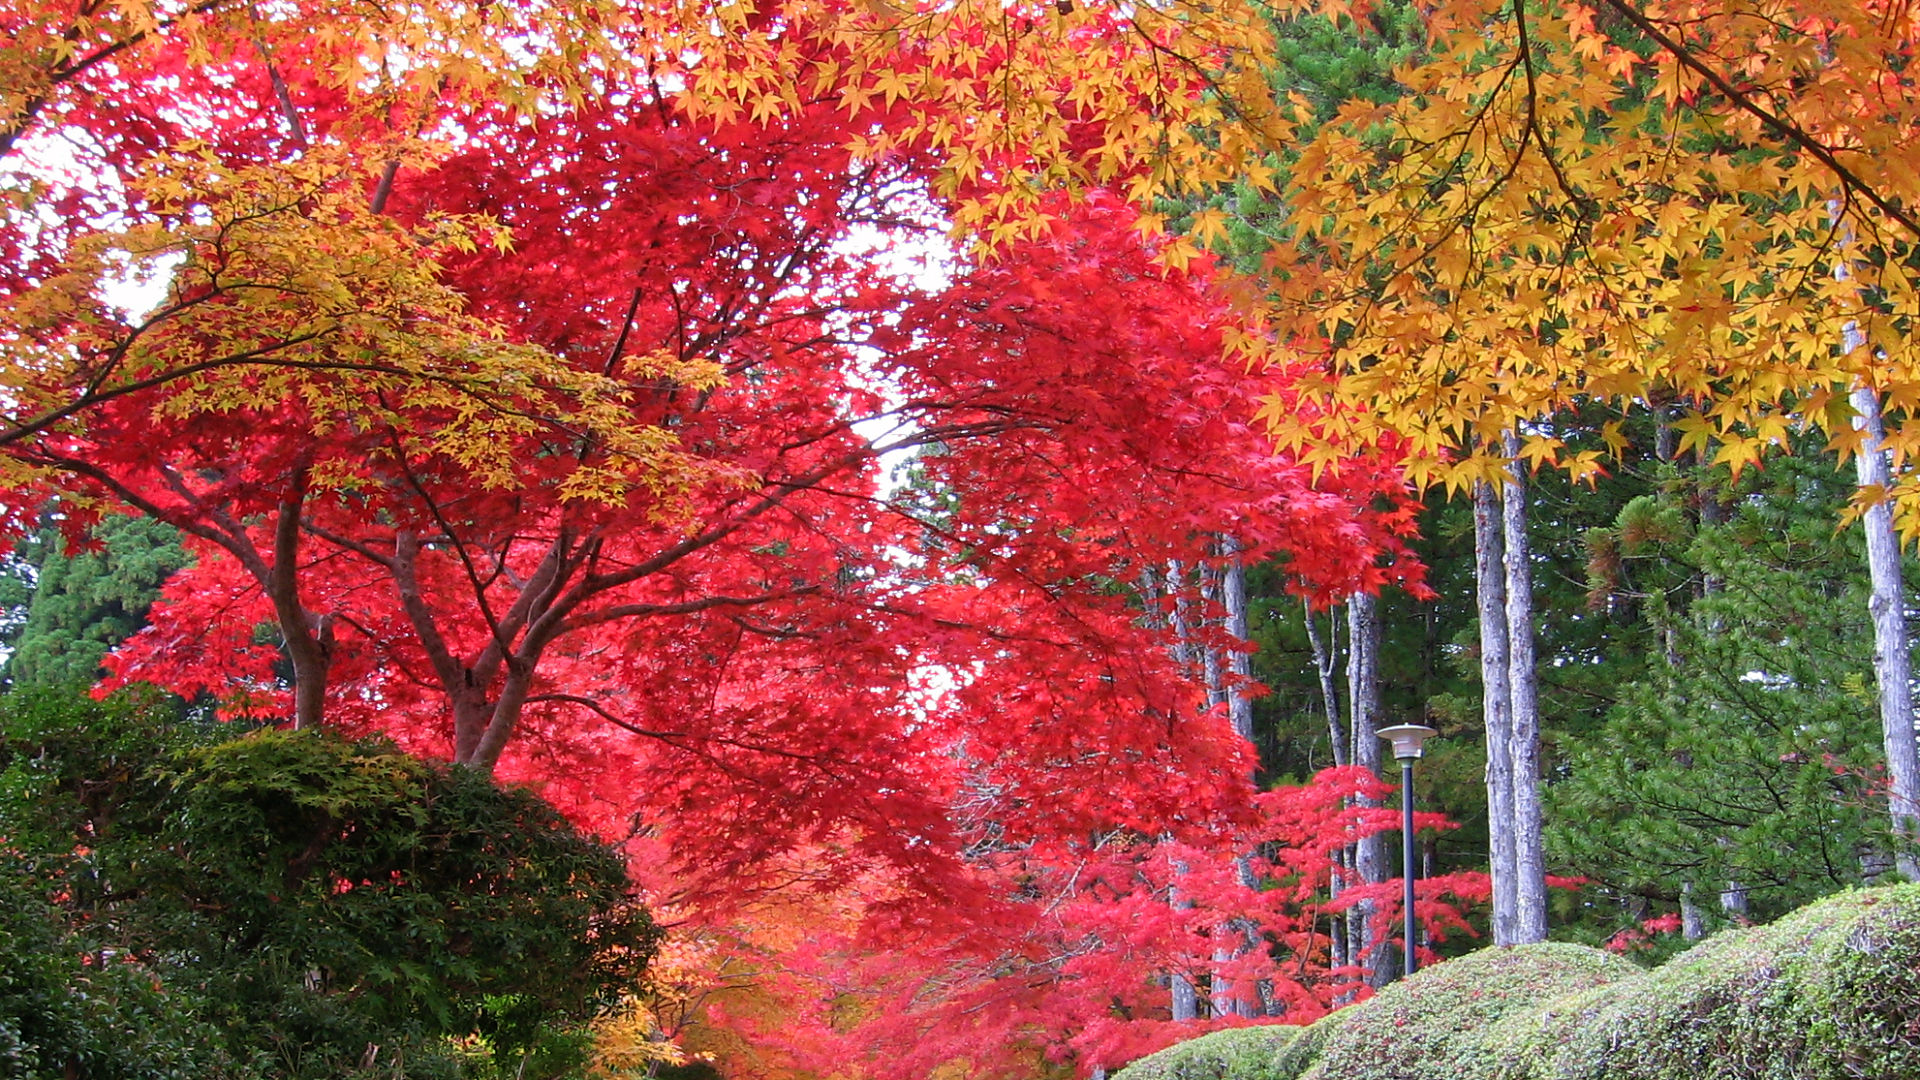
1429, 1026
1830, 991
1304, 1051
288, 904
1234, 1054
70, 1010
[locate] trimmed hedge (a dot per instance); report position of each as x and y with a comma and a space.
1234, 1054
1430, 1026
1830, 992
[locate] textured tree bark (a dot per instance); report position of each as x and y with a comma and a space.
1185, 1000
1491, 586
1369, 853
1343, 937
1892, 655
1530, 863
1228, 678
1324, 662
308, 639
1693, 921
1233, 596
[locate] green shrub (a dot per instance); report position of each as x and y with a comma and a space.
1430, 1026
288, 904
1304, 1052
1830, 991
1234, 1054
67, 1009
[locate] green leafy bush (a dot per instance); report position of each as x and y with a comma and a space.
1827, 992
1429, 1026
1830, 992
68, 1010
297, 905
1234, 1054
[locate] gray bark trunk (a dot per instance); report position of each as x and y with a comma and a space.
1363, 689
1341, 928
1186, 1002
1892, 663
1324, 661
1491, 588
1228, 676
1693, 921
1233, 596
1530, 864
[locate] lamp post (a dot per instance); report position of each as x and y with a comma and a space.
1408, 740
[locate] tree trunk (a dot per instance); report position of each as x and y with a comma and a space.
1324, 661
1693, 922
1370, 852
1185, 1003
1341, 932
1733, 901
1892, 663
1228, 675
1530, 863
308, 640
1491, 588
1233, 596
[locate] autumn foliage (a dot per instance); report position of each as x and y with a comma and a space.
552, 415
1070, 966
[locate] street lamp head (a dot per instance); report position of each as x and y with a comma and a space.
1407, 739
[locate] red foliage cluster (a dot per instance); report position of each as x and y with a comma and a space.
938, 702
1072, 963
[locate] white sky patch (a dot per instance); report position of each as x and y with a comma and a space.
928, 263
1769, 680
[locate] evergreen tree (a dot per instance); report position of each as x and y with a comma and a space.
66, 610
1747, 761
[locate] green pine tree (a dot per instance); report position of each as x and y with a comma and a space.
66, 611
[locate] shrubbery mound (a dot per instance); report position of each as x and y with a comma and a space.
1830, 992
1429, 1027
1234, 1054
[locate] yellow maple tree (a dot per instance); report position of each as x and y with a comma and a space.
282, 278
1683, 203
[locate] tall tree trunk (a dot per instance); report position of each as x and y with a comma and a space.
1892, 656
1490, 580
1369, 852
1340, 934
1733, 901
1325, 660
1238, 674
1693, 922
1530, 862
1185, 1003
1233, 597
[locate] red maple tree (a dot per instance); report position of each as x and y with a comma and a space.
732, 634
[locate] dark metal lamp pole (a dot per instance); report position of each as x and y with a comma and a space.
1408, 740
